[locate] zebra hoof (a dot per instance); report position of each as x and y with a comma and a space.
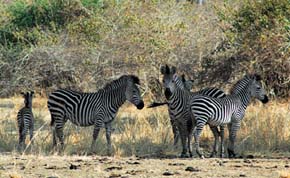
231, 153
190, 155
213, 155
183, 155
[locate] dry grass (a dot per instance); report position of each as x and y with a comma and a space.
265, 130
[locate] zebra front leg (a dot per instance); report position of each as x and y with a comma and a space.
189, 142
108, 137
233, 128
175, 131
222, 135
197, 134
95, 136
183, 141
215, 132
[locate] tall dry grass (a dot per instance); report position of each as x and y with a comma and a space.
265, 130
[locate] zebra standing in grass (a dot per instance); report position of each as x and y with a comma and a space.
228, 110
25, 119
174, 111
178, 97
98, 109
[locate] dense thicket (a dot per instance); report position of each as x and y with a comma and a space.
82, 44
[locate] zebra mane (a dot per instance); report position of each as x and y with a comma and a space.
121, 81
241, 84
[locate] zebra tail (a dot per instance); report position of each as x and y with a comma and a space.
154, 104
52, 121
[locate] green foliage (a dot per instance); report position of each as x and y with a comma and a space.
253, 18
30, 22
259, 30
38, 13
92, 4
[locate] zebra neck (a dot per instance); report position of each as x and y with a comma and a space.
177, 96
115, 98
245, 98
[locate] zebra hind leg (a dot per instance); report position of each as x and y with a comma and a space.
54, 142
59, 134
31, 134
22, 136
222, 135
216, 134
233, 128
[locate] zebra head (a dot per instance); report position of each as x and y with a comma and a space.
256, 89
133, 93
188, 84
168, 80
171, 81
28, 98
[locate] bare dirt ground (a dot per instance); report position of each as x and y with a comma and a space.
16, 166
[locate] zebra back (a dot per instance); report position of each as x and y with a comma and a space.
212, 92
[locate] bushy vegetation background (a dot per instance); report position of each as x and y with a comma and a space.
82, 44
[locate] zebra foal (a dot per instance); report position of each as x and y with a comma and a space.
87, 109
229, 110
25, 119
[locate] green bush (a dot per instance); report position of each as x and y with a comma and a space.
259, 32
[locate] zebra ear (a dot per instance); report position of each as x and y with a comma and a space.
173, 70
183, 78
257, 77
188, 84
135, 79
165, 69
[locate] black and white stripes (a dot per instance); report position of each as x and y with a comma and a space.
228, 110
25, 119
98, 109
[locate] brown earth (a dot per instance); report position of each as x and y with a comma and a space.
16, 166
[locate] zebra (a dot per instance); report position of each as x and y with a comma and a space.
25, 119
180, 82
229, 110
178, 97
173, 113
87, 109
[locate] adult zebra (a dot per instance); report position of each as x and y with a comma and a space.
176, 110
228, 110
98, 109
25, 119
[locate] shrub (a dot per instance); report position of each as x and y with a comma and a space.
258, 31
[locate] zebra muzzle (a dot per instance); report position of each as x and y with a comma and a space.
265, 99
167, 93
140, 105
